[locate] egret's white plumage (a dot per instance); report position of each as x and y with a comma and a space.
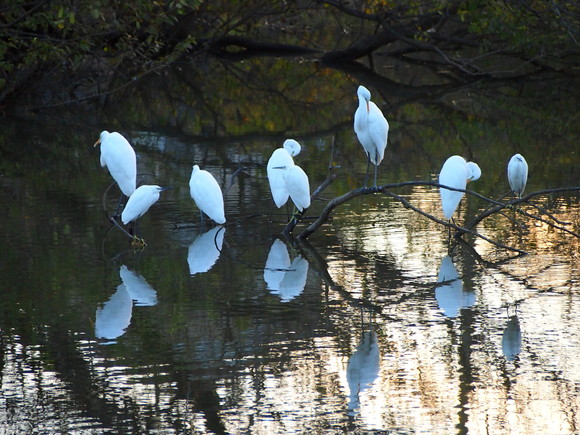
281, 157
456, 172
517, 171
118, 156
371, 128
141, 200
298, 186
207, 194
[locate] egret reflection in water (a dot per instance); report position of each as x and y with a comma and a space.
363, 368
113, 318
283, 277
140, 290
511, 340
450, 294
205, 250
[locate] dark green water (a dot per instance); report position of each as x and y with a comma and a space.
368, 326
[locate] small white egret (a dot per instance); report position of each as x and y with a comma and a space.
118, 156
297, 185
517, 172
207, 194
138, 204
371, 128
456, 172
281, 157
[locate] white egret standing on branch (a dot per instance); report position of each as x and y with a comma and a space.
371, 128
138, 204
517, 172
281, 157
456, 172
119, 158
207, 194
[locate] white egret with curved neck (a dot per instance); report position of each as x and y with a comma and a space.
281, 157
371, 128
138, 204
517, 172
118, 156
207, 194
456, 172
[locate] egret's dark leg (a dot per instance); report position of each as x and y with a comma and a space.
116, 215
376, 171
368, 165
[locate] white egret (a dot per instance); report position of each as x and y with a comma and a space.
297, 185
138, 204
517, 172
119, 158
281, 157
207, 194
371, 128
456, 172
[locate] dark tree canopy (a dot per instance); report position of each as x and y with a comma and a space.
66, 48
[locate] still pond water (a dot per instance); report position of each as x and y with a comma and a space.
373, 324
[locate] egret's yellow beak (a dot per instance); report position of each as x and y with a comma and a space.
97, 142
368, 107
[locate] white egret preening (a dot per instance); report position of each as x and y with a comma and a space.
138, 204
517, 172
456, 172
118, 156
281, 157
207, 194
298, 186
371, 128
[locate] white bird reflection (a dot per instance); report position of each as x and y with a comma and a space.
284, 277
511, 340
450, 296
363, 368
205, 250
139, 289
114, 316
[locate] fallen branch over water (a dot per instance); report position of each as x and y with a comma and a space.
496, 207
